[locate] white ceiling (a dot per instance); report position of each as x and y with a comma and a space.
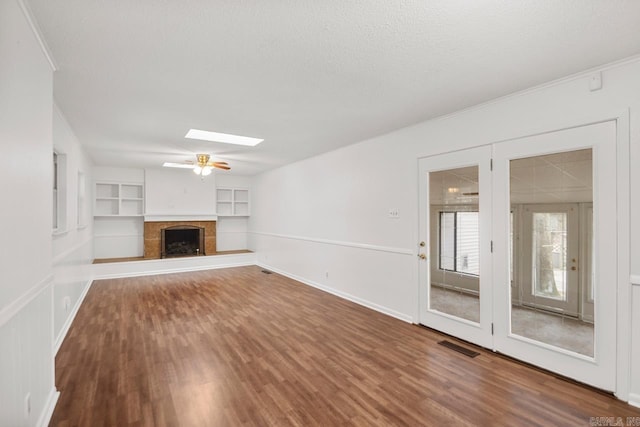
307, 76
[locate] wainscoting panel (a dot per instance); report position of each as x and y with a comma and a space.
26, 362
365, 274
72, 276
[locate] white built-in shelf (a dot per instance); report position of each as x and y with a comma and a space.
117, 199
232, 202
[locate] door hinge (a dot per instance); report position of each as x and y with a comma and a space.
492, 246
490, 164
492, 329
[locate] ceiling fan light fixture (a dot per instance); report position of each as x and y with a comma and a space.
222, 137
203, 167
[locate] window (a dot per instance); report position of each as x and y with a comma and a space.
59, 208
459, 242
81, 223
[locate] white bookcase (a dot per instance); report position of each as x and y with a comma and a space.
232, 202
118, 199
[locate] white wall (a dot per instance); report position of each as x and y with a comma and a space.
328, 225
26, 318
73, 244
325, 220
179, 192
121, 175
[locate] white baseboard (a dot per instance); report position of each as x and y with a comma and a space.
634, 400
170, 265
69, 321
344, 295
47, 411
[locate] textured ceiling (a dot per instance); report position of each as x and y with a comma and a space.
307, 76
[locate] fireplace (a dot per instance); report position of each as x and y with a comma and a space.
155, 237
182, 240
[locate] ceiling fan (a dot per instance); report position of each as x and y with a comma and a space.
202, 166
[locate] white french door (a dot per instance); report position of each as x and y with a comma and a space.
477, 266
573, 165
455, 230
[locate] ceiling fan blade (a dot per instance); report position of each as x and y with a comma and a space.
222, 167
217, 163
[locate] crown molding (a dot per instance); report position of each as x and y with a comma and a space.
28, 14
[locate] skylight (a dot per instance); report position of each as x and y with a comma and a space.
222, 137
177, 165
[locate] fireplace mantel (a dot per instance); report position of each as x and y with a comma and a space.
167, 218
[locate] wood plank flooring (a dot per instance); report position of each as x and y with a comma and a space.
240, 347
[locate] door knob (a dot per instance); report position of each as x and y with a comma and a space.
422, 244
573, 268
422, 256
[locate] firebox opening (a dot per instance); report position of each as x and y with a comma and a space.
182, 241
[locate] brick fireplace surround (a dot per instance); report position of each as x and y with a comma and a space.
153, 241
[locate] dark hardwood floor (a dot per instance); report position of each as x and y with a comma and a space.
240, 347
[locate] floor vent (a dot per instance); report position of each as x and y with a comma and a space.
459, 349
266, 271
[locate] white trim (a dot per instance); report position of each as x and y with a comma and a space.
59, 232
343, 295
635, 279
26, 10
401, 251
172, 270
634, 400
67, 324
164, 218
156, 266
23, 300
103, 236
47, 411
624, 297
59, 257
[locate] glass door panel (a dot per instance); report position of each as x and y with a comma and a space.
549, 283
455, 243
